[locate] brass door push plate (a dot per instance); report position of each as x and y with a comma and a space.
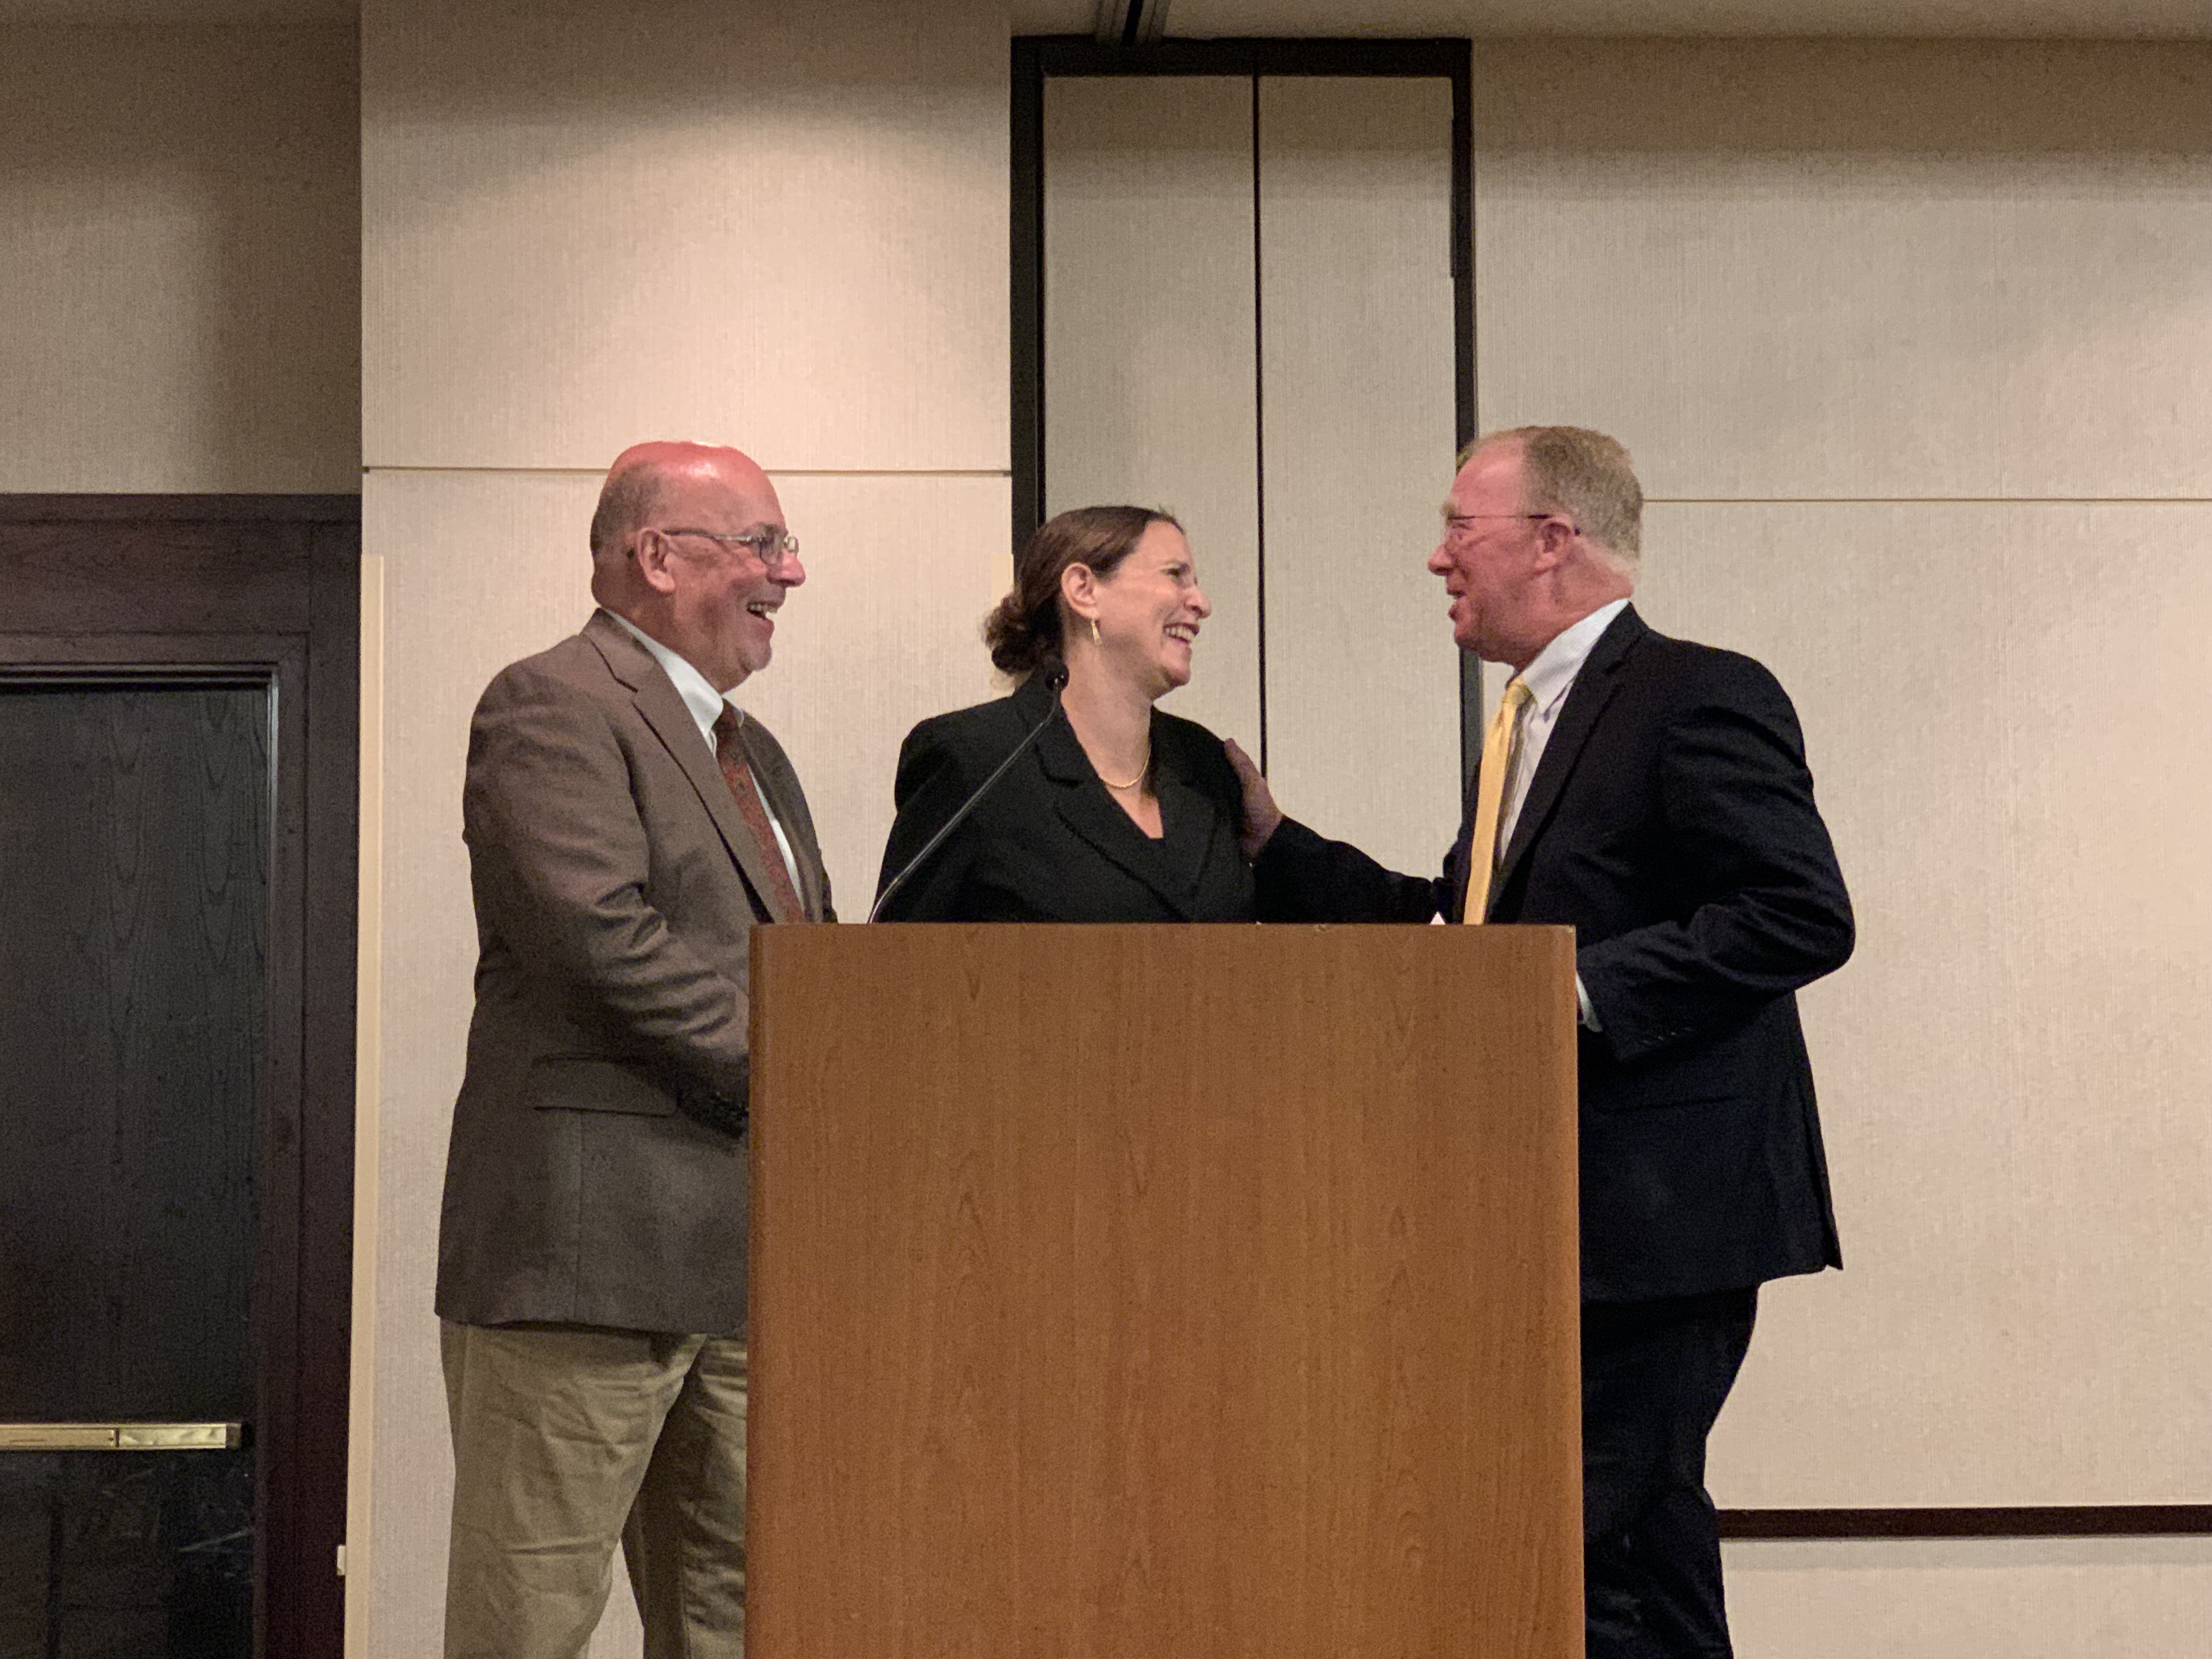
121, 1436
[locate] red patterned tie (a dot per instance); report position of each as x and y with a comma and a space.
737, 773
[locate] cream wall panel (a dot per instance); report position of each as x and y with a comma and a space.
1149, 342
888, 630
782, 227
181, 11
179, 252
1997, 19
481, 569
1792, 268
368, 1101
1356, 330
620, 1634
2003, 707
2074, 1598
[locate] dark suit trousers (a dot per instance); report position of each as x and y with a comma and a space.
1655, 1374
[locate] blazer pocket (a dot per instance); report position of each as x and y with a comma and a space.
581, 1083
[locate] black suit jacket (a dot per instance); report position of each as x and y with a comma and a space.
1048, 843
1671, 823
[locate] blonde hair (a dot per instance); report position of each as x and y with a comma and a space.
1584, 474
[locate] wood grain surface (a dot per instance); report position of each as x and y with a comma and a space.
1164, 1290
150, 595
134, 847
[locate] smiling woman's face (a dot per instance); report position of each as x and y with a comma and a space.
1149, 609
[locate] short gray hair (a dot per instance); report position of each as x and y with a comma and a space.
627, 500
1584, 474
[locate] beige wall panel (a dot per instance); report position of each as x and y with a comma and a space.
888, 630
1791, 269
620, 1635
182, 11
1356, 331
482, 569
2004, 707
784, 228
1148, 367
179, 255
1997, 19
2071, 1598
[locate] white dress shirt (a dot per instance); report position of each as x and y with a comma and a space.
1549, 679
706, 705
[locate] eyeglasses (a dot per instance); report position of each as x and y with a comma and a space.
771, 545
1461, 524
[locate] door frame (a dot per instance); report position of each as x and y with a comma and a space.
182, 587
1038, 57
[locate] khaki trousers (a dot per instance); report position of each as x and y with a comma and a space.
568, 1437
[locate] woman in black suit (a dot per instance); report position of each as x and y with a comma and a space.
1117, 812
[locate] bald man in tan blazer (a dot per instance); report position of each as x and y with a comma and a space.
628, 825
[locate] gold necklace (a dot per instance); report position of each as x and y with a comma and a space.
1133, 782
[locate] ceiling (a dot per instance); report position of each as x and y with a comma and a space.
1999, 19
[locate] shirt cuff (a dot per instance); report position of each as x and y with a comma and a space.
1586, 1014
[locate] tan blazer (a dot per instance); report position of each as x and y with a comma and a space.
598, 1170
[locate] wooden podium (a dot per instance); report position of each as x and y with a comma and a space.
1164, 1293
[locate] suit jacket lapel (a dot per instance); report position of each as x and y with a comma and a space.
1085, 807
664, 709
1595, 688
1193, 828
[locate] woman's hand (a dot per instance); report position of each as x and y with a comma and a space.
1261, 815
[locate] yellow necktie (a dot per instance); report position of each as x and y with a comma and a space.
1499, 744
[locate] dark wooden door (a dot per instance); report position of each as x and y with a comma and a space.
177, 784
134, 851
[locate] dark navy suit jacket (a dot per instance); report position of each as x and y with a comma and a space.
1671, 823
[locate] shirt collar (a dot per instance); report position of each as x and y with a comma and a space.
1556, 665
698, 693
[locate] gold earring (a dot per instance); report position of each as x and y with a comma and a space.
1093, 630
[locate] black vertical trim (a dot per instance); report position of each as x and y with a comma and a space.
329, 975
281, 1425
1038, 57
56, 1544
1259, 431
1130, 23
1462, 250
1026, 339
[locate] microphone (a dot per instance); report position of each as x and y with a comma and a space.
1056, 677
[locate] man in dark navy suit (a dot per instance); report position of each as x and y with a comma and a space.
1653, 795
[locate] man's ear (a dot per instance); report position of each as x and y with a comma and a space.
1555, 539
652, 551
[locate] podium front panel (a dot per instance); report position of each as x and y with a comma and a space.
1150, 1291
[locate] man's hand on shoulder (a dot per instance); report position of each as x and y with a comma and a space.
1262, 818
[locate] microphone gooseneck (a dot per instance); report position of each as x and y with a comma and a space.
1056, 677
